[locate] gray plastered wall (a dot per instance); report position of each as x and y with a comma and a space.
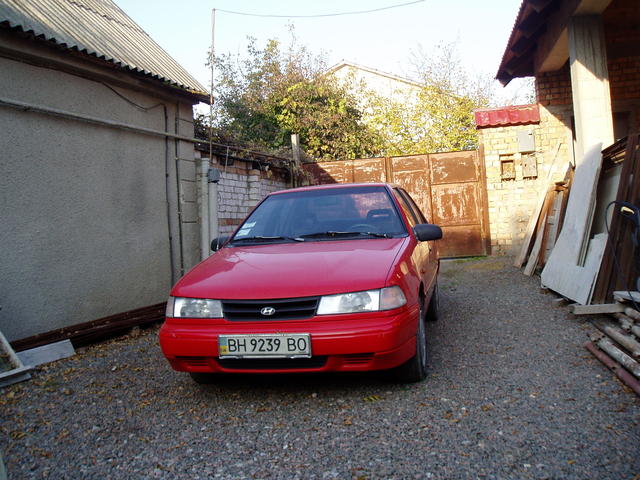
85, 228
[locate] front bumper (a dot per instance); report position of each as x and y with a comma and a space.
354, 342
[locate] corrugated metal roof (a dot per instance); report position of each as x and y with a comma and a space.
101, 29
507, 116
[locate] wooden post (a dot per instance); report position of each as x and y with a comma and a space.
295, 150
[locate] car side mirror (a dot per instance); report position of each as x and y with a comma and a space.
427, 231
217, 243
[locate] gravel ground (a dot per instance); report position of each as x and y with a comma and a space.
511, 395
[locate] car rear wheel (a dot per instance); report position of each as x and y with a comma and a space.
203, 378
433, 312
415, 369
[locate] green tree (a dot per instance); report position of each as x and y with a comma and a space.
270, 93
436, 116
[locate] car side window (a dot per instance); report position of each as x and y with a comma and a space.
411, 216
414, 206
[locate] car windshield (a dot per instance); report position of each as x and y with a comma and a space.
323, 214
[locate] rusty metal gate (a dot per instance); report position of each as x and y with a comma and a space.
450, 189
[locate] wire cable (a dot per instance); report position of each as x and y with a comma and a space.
131, 102
338, 14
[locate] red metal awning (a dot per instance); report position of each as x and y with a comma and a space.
507, 116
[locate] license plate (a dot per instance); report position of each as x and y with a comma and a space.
279, 345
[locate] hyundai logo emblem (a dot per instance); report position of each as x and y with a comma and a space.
268, 311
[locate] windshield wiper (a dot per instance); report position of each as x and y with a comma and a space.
333, 233
261, 238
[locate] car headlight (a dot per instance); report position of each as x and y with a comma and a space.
366, 301
179, 307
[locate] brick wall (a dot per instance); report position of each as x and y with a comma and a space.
512, 197
514, 179
624, 81
624, 69
554, 88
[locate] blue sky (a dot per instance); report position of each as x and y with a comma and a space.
382, 40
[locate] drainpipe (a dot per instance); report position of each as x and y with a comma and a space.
213, 177
180, 199
167, 189
205, 241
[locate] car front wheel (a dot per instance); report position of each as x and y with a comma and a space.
415, 369
433, 312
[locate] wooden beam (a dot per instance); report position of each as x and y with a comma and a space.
534, 256
533, 219
552, 50
530, 267
85, 333
599, 309
521, 63
532, 24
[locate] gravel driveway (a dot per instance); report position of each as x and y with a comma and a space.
511, 395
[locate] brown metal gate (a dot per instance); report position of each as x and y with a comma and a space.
450, 189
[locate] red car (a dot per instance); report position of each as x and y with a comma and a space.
316, 279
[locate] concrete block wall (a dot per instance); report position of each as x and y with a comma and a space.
241, 187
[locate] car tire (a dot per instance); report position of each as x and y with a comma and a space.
203, 378
415, 369
433, 312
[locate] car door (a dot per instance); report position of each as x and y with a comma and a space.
426, 253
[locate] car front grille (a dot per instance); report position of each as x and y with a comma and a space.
282, 308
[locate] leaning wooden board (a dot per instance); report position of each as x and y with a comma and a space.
565, 272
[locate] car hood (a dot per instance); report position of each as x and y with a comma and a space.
292, 269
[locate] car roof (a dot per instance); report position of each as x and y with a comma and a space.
330, 186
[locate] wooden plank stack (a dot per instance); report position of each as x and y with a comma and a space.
619, 268
548, 220
547, 229
611, 289
617, 341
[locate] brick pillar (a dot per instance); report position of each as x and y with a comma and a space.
253, 182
